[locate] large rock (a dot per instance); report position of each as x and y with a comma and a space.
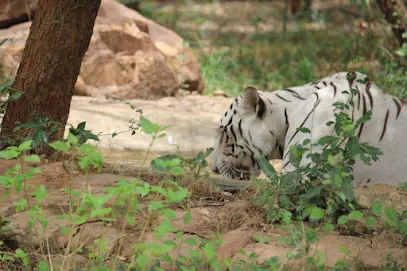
129, 57
16, 11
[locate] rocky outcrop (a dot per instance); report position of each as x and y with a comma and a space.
129, 57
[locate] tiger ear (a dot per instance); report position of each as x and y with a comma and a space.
252, 102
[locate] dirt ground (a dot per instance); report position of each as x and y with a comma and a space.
231, 215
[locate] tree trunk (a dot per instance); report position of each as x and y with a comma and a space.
59, 37
395, 14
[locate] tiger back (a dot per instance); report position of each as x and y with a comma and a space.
264, 124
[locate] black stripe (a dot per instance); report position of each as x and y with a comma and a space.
258, 149
317, 87
262, 109
283, 98
268, 100
309, 114
271, 132
323, 82
364, 112
351, 76
239, 146
286, 118
353, 112
295, 94
250, 136
233, 132
286, 164
368, 84
335, 89
252, 152
230, 121
357, 88
398, 107
385, 125
240, 127
253, 161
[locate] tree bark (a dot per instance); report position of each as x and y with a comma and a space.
59, 37
396, 15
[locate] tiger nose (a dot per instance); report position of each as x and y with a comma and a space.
215, 170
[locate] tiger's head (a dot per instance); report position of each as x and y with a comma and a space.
243, 135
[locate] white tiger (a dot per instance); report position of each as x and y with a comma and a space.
264, 124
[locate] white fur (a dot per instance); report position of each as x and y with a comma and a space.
392, 167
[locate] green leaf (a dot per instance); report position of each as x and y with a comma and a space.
25, 146
15, 96
329, 227
155, 205
174, 162
85, 162
87, 148
352, 146
43, 266
370, 221
9, 154
348, 190
19, 253
20, 205
3, 41
60, 146
164, 228
187, 218
169, 214
72, 139
355, 214
391, 214
81, 126
143, 190
177, 171
148, 127
190, 241
32, 158
377, 208
40, 193
65, 230
327, 140
320, 259
342, 219
267, 168
161, 162
317, 214
142, 261
303, 130
159, 190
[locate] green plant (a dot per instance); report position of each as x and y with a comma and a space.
82, 134
332, 167
195, 165
403, 50
38, 131
123, 209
